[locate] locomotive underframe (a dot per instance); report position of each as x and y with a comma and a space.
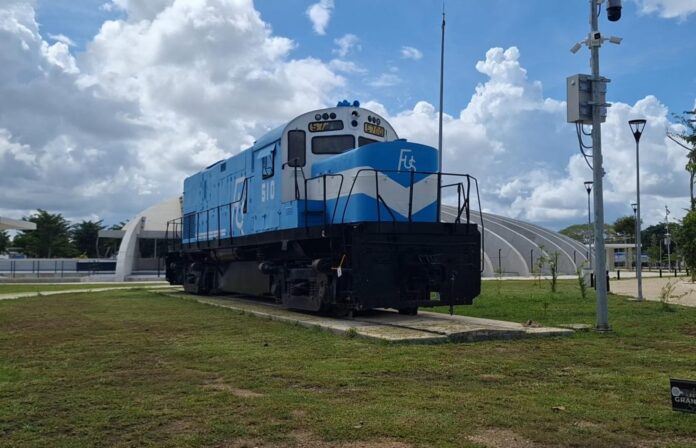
340, 268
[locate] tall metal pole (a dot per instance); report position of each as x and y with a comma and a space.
597, 174
588, 187
589, 228
639, 246
668, 240
637, 127
442, 87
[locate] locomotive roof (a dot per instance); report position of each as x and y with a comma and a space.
277, 133
270, 136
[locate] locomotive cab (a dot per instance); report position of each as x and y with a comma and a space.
323, 134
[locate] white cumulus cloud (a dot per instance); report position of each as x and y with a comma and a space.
385, 80
171, 88
668, 9
320, 15
517, 143
411, 53
346, 44
62, 38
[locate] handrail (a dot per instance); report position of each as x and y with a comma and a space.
463, 201
297, 187
483, 228
338, 195
463, 207
179, 222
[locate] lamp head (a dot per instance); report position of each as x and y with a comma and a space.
635, 207
588, 186
637, 127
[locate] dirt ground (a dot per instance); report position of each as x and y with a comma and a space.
683, 293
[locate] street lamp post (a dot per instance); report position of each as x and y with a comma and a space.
668, 239
588, 188
637, 127
578, 114
639, 254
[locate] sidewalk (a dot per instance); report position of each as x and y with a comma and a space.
22, 295
684, 291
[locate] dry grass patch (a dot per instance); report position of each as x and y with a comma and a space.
219, 384
501, 438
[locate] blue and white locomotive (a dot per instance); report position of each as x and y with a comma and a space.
331, 211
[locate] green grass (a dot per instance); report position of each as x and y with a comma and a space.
9, 288
138, 368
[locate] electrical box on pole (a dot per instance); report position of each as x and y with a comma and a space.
579, 88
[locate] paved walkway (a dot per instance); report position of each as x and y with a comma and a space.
21, 295
684, 292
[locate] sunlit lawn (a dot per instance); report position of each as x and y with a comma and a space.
138, 368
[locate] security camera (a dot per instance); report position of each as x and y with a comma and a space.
595, 39
614, 10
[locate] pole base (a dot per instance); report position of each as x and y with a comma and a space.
599, 329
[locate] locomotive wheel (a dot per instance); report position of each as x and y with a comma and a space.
411, 311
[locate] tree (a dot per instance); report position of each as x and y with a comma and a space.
4, 241
50, 239
654, 237
654, 254
580, 232
625, 227
84, 237
686, 138
108, 247
118, 226
686, 237
653, 234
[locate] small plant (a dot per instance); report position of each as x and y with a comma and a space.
539, 265
553, 266
582, 284
351, 333
545, 304
667, 294
499, 279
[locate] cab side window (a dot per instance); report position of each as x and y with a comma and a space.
297, 145
267, 165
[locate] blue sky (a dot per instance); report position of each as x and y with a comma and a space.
152, 91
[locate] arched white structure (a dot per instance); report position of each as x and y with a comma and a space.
151, 223
14, 224
520, 244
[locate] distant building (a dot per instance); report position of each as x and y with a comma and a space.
143, 241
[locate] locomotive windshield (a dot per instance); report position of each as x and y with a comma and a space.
332, 144
362, 141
